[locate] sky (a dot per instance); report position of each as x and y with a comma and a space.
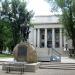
40, 7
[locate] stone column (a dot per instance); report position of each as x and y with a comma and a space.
35, 37
60, 37
38, 37
46, 37
53, 38
64, 40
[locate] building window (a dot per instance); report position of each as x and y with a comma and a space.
42, 36
49, 38
42, 39
57, 38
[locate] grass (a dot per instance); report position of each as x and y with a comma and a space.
6, 56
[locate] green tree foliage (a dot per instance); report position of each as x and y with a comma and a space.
5, 34
67, 17
13, 15
1, 36
6, 29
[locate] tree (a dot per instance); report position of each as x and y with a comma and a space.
1, 37
16, 14
5, 31
68, 17
5, 34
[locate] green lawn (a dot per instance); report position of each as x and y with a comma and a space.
6, 55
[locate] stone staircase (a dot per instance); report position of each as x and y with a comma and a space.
57, 65
55, 56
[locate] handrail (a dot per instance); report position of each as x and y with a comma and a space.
55, 56
56, 51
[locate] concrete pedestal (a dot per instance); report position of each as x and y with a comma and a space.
28, 67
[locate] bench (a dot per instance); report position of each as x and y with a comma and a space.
14, 66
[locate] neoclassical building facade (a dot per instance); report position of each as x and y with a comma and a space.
47, 34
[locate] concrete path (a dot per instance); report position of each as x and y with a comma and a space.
6, 59
63, 60
67, 60
42, 71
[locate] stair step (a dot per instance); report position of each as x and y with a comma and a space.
61, 65
65, 66
56, 63
61, 68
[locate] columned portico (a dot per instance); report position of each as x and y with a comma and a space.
46, 37
38, 37
53, 38
48, 34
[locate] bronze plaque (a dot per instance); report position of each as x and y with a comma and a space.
22, 51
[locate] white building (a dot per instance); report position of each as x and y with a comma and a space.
46, 35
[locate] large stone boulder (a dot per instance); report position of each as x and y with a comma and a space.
25, 52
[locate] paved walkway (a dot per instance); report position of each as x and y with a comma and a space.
6, 59
67, 60
42, 71
63, 60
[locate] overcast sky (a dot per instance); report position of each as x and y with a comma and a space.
40, 7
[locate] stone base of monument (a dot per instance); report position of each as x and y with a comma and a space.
28, 67
32, 67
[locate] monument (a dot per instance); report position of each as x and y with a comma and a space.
24, 51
